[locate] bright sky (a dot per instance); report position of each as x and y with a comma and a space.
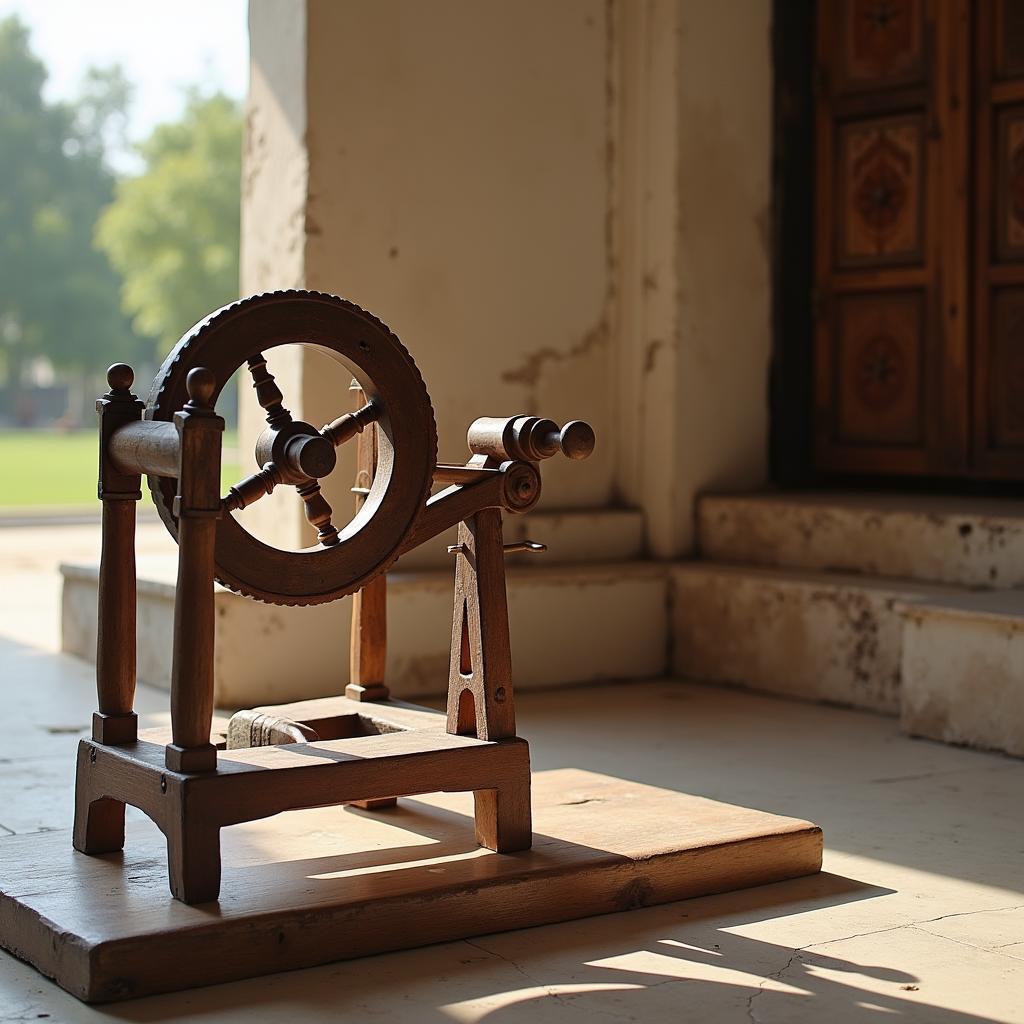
163, 45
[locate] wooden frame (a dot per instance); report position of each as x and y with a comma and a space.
303, 756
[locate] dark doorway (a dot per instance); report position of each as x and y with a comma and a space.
899, 245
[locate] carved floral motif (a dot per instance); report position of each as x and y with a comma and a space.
882, 42
881, 372
882, 189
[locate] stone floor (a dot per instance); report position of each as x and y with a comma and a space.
918, 916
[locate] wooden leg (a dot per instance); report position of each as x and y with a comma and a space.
503, 817
99, 820
369, 645
99, 825
116, 722
193, 862
192, 658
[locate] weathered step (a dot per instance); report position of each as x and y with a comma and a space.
571, 535
963, 670
819, 636
968, 541
270, 654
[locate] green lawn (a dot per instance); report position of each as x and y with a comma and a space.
41, 470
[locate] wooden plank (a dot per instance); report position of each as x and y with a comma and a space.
318, 886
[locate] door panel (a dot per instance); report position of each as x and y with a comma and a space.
879, 369
881, 192
878, 45
891, 384
998, 448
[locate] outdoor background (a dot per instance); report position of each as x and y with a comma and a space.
120, 158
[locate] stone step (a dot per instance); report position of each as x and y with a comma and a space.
571, 535
972, 542
819, 636
269, 654
963, 670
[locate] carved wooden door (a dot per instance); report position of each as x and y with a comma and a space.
998, 421
892, 360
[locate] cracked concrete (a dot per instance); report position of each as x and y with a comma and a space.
919, 912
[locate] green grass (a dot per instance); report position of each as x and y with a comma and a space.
40, 470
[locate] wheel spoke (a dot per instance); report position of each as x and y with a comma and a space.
251, 489
268, 394
345, 427
319, 513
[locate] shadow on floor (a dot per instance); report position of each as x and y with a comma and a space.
696, 969
873, 791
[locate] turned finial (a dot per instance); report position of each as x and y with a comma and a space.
120, 377
529, 438
200, 384
576, 439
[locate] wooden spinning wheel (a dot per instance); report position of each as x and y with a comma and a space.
361, 748
291, 452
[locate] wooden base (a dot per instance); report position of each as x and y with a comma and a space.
315, 886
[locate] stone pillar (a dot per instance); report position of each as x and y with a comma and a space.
692, 130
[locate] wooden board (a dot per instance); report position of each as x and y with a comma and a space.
315, 886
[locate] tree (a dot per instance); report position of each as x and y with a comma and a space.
58, 294
173, 231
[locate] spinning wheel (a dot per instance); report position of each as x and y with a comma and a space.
293, 453
361, 748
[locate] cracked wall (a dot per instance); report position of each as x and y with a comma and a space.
458, 179
468, 172
724, 294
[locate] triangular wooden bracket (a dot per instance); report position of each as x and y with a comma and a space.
480, 699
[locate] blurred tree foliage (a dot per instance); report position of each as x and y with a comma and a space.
59, 296
173, 231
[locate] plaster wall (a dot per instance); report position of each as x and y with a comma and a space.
723, 222
560, 208
692, 124
459, 189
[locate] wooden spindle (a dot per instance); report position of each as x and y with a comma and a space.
351, 423
268, 394
319, 513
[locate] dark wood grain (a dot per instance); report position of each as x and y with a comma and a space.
325, 885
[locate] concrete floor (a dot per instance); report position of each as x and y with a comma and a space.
918, 916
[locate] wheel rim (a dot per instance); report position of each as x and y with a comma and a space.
408, 440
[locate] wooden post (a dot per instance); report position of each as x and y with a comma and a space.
99, 820
197, 507
480, 699
369, 646
116, 721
